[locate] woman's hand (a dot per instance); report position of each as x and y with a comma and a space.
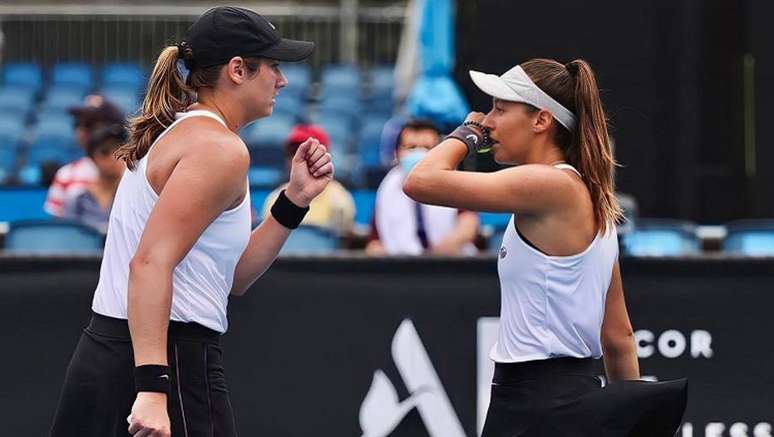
478, 117
310, 172
149, 416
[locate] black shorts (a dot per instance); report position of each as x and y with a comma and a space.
564, 397
99, 391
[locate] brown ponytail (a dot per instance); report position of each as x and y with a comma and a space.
167, 94
588, 147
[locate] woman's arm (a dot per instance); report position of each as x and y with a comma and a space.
521, 189
208, 179
619, 349
310, 172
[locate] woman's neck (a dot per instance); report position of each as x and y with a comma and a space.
208, 102
548, 154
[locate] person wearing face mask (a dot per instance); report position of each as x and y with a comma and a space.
402, 226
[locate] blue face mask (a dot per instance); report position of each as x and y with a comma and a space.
412, 158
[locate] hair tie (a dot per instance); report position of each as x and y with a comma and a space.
572, 68
185, 52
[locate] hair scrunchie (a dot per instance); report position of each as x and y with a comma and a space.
185, 53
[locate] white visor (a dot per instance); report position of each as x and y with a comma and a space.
515, 86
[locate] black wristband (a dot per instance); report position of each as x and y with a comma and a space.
152, 377
472, 139
287, 213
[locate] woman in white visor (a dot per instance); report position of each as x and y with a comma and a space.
562, 302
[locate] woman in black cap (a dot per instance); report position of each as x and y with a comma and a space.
562, 303
179, 239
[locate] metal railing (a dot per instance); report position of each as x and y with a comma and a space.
118, 33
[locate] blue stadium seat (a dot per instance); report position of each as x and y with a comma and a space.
340, 80
370, 139
42, 154
8, 157
299, 77
11, 130
343, 75
495, 220
59, 237
310, 240
31, 175
382, 85
750, 238
126, 76
340, 131
23, 75
289, 105
73, 75
365, 201
263, 176
268, 132
124, 98
297, 74
16, 100
62, 98
342, 106
659, 237
267, 157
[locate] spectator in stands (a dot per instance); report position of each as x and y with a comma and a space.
402, 226
91, 206
72, 178
334, 208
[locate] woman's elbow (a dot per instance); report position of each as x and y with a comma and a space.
618, 342
414, 184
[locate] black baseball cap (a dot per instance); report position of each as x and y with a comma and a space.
227, 31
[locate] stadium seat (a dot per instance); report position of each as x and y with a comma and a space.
750, 238
297, 74
267, 157
289, 105
370, 139
382, 86
23, 76
264, 176
268, 132
125, 76
16, 100
11, 130
340, 80
73, 75
661, 237
342, 106
126, 99
299, 79
54, 153
7, 163
53, 237
340, 131
62, 98
310, 240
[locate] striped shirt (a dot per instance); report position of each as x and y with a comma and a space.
68, 182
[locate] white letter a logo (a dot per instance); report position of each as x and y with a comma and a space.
382, 411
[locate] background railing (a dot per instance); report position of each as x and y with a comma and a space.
346, 33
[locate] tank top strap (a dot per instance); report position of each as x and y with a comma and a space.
565, 166
180, 116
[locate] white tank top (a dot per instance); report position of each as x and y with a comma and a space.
202, 281
552, 306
